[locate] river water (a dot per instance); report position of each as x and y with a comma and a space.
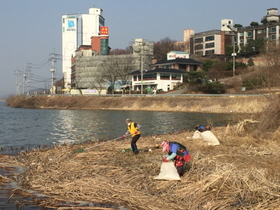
24, 129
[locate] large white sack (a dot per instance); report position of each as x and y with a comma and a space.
209, 138
196, 135
168, 171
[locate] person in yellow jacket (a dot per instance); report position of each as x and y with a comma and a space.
133, 130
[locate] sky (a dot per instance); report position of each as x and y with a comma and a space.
31, 30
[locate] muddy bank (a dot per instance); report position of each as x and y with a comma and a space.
221, 104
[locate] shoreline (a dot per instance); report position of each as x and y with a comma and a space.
221, 104
105, 174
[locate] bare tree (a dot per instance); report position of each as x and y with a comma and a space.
116, 69
272, 70
97, 82
162, 47
119, 52
126, 65
109, 72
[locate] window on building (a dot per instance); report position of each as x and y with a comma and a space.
176, 76
241, 34
166, 67
259, 31
209, 38
104, 46
164, 76
210, 45
272, 37
150, 76
249, 33
198, 40
241, 40
134, 78
101, 21
198, 47
200, 53
209, 52
182, 66
272, 30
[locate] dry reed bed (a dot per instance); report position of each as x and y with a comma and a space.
241, 173
221, 104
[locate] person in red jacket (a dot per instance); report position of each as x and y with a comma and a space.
177, 152
133, 130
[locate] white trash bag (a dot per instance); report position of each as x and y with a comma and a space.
196, 135
168, 171
209, 138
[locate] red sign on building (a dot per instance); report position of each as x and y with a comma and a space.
104, 30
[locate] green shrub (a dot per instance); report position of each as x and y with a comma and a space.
253, 83
251, 62
213, 88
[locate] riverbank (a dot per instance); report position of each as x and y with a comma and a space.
207, 104
241, 173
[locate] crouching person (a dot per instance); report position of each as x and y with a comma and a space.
178, 153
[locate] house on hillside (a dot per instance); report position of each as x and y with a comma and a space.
165, 74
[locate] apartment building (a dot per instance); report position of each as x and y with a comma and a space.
210, 43
77, 30
213, 42
269, 31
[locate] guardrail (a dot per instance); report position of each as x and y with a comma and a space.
162, 95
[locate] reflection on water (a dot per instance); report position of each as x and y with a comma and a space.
25, 127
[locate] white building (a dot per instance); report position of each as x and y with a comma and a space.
77, 29
165, 74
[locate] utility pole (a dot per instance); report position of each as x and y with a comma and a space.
25, 77
233, 53
144, 49
52, 70
141, 44
142, 67
17, 72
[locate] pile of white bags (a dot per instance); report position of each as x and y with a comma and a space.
168, 171
206, 136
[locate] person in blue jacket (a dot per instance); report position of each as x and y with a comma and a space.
178, 153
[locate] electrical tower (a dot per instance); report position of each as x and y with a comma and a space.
17, 72
52, 70
26, 77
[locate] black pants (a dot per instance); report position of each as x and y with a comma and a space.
133, 143
180, 167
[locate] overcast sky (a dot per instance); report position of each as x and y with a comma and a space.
31, 29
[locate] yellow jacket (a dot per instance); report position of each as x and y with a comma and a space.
133, 129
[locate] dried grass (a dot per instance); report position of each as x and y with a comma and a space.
241, 173
221, 104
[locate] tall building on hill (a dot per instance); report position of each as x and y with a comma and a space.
82, 29
213, 42
270, 31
